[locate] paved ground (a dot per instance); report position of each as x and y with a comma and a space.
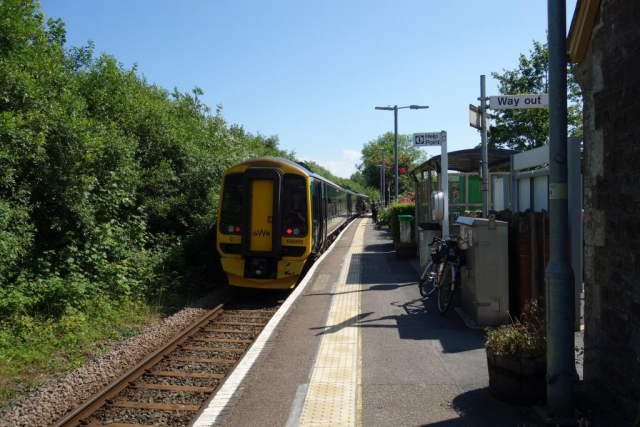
410, 365
420, 368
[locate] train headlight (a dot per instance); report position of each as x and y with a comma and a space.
230, 229
296, 231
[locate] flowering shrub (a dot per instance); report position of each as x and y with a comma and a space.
407, 197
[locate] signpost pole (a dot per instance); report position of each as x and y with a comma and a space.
444, 159
485, 162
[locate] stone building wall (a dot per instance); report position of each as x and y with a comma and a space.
610, 79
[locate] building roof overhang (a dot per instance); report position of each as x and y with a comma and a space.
467, 160
581, 29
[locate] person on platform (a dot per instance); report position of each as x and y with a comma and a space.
374, 211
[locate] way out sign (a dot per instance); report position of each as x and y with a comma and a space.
429, 139
511, 102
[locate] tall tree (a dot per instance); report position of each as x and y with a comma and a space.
529, 128
408, 158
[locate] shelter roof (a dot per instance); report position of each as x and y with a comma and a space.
467, 160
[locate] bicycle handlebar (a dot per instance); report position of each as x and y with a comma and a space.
452, 238
435, 239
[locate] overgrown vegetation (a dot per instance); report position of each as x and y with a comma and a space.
108, 195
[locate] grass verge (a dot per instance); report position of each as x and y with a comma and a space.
33, 349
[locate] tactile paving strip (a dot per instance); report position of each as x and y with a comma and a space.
225, 399
332, 396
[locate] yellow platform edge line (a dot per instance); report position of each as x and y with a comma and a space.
349, 343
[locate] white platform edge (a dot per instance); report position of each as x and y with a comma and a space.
225, 399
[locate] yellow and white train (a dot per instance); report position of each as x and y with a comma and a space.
274, 214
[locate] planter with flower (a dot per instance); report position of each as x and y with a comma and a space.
516, 357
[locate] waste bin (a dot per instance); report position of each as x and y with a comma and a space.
485, 275
405, 228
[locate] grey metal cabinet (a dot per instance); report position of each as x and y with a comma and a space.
485, 276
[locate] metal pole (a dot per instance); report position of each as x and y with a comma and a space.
444, 161
384, 182
485, 162
380, 183
395, 122
559, 275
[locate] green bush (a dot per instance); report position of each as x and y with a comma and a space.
109, 190
394, 224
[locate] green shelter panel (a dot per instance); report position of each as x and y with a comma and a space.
475, 189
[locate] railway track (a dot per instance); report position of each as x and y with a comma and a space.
169, 387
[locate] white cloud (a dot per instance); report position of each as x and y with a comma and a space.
351, 155
344, 167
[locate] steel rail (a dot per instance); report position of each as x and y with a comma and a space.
99, 399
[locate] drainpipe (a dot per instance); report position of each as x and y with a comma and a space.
559, 275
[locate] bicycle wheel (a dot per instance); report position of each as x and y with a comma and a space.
445, 290
429, 279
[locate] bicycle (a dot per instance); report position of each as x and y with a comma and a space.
441, 271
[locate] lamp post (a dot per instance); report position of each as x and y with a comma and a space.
383, 180
395, 109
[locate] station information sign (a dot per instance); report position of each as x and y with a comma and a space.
429, 139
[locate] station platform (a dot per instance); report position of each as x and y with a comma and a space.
356, 345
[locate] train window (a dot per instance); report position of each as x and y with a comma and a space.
294, 206
231, 215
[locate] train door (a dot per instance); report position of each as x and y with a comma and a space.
316, 215
323, 203
261, 215
261, 237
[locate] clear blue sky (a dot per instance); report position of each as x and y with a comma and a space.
312, 72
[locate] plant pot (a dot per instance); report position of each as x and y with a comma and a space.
517, 382
406, 250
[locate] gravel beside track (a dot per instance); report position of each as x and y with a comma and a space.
154, 396
44, 405
198, 382
133, 416
205, 368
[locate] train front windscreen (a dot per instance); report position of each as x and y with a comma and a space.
231, 214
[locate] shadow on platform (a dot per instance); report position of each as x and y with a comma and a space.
421, 323
417, 323
478, 408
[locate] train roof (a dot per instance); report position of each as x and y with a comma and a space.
298, 165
